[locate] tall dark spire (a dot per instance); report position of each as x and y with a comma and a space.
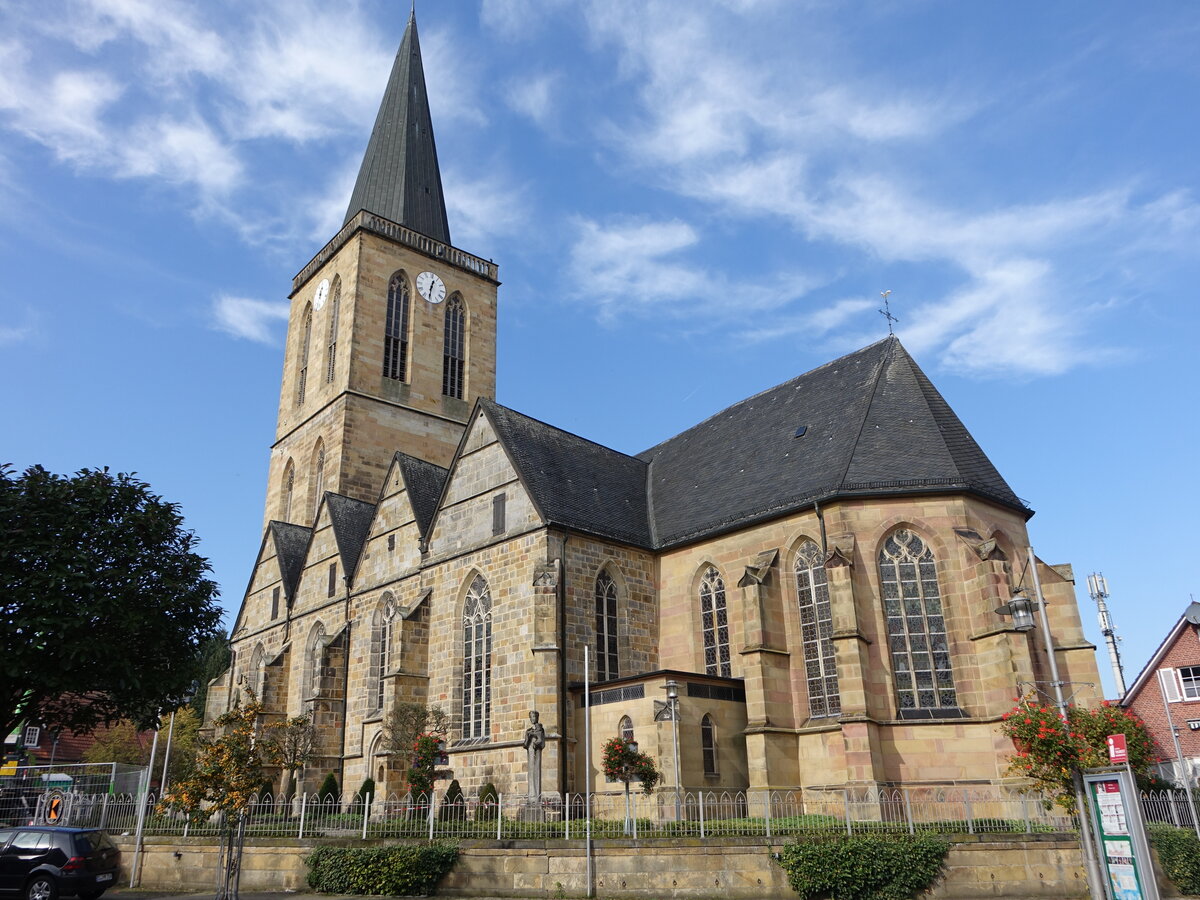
399, 177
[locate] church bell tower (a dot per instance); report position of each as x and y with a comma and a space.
392, 330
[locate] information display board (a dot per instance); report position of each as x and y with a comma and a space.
1114, 804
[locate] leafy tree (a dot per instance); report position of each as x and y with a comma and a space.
88, 555
407, 722
226, 776
119, 743
289, 745
1051, 749
185, 744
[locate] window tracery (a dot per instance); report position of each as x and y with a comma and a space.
715, 624
331, 342
453, 356
916, 624
305, 339
477, 660
816, 631
395, 338
606, 627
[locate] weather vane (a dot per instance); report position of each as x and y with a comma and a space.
886, 312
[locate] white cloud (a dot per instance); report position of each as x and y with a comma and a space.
515, 19
482, 209
250, 319
636, 267
533, 96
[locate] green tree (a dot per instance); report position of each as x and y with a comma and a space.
225, 778
88, 556
119, 743
289, 745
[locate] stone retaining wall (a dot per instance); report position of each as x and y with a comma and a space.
1012, 866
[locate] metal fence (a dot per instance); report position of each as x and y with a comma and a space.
1170, 808
571, 817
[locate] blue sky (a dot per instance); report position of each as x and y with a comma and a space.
689, 202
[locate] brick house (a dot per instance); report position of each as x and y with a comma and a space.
1173, 675
817, 567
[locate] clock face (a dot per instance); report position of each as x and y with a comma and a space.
322, 293
431, 287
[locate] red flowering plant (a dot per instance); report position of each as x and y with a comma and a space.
623, 763
1050, 749
422, 770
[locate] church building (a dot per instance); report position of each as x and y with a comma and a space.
817, 569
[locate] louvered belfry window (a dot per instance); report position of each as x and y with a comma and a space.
331, 344
452, 355
715, 622
395, 337
477, 660
606, 627
816, 632
916, 624
302, 382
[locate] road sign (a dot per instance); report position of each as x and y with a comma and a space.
1117, 750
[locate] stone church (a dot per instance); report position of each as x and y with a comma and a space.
817, 568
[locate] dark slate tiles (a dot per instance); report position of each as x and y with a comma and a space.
291, 545
423, 481
351, 520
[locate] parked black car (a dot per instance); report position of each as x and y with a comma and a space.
41, 862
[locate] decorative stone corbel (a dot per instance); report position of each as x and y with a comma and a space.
759, 568
985, 548
840, 552
547, 575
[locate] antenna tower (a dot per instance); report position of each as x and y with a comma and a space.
1098, 588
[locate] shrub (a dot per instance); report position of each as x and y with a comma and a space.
454, 807
366, 793
864, 867
329, 788
489, 803
1179, 852
400, 870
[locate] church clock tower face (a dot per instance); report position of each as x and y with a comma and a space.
431, 287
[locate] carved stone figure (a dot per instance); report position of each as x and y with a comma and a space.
535, 741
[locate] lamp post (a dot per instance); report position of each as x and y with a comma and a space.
631, 749
1021, 608
672, 688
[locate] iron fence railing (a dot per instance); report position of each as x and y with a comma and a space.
572, 817
1170, 808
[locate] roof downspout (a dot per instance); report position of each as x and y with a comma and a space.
821, 519
563, 704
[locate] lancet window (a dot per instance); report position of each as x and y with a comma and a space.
395, 337
715, 623
453, 356
916, 624
606, 627
331, 343
305, 340
816, 632
708, 745
477, 660
381, 649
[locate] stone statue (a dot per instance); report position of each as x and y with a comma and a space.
535, 740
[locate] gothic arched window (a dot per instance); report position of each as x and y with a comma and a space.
315, 661
331, 342
606, 627
318, 477
625, 728
916, 625
395, 335
715, 622
306, 335
452, 354
289, 489
708, 745
477, 660
256, 677
381, 649
816, 632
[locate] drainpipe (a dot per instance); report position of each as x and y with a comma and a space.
821, 519
563, 705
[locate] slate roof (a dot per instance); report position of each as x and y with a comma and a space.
424, 482
399, 177
351, 520
574, 482
874, 425
291, 545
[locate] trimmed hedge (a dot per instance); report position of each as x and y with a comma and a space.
864, 867
400, 870
1179, 852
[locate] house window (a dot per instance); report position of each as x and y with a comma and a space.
606, 627
498, 520
331, 342
395, 336
477, 660
332, 579
381, 649
916, 626
452, 354
1180, 684
32, 736
715, 622
307, 334
816, 632
708, 745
